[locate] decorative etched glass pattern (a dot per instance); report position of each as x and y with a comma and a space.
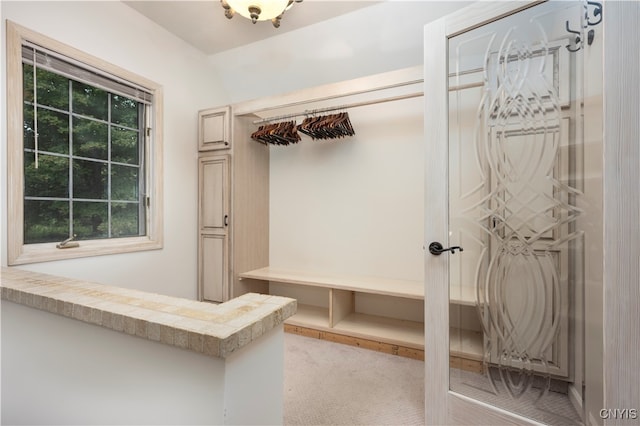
524, 214
515, 185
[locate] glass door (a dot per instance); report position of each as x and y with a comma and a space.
521, 208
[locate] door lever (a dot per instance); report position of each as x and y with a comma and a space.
436, 249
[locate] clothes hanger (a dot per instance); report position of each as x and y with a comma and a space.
332, 126
283, 133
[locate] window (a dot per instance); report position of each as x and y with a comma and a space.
86, 161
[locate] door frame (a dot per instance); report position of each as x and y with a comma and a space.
621, 209
621, 230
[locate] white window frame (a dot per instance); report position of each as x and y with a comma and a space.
19, 253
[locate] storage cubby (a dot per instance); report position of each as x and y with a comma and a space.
465, 336
328, 303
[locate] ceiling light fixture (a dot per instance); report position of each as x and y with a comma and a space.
258, 10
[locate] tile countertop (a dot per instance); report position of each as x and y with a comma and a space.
210, 329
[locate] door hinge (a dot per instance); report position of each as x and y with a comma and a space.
148, 130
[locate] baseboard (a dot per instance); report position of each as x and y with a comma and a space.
575, 398
399, 350
356, 341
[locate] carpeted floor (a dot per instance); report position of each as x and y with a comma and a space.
329, 383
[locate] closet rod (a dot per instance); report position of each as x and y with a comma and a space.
336, 108
249, 110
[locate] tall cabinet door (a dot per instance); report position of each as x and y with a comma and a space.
214, 200
213, 263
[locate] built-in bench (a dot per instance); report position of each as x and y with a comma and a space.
341, 322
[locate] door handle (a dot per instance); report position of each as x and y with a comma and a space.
436, 249
226, 220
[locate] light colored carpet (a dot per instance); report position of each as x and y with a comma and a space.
329, 383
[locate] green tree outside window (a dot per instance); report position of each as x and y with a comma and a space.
83, 148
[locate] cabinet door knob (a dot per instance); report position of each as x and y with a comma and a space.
226, 220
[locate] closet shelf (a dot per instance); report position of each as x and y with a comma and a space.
373, 285
466, 344
341, 317
371, 327
463, 296
310, 316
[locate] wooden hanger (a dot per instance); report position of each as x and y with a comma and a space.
283, 133
331, 126
327, 127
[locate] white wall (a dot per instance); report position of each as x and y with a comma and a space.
254, 382
372, 40
116, 33
353, 205
58, 370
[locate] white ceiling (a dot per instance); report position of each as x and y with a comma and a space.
203, 24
